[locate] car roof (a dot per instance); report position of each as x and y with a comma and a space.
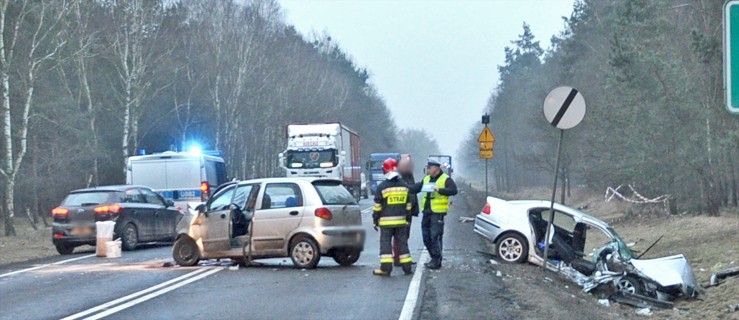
574, 212
120, 187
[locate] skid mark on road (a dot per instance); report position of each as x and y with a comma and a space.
135, 298
45, 265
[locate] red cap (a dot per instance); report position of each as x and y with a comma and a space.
389, 165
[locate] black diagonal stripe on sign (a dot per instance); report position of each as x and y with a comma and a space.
564, 107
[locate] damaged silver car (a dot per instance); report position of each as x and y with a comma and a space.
583, 248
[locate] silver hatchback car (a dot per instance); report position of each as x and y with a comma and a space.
300, 218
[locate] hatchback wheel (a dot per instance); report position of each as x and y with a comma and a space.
512, 248
346, 257
130, 237
185, 252
64, 248
304, 252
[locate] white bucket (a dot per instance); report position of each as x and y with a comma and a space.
104, 234
113, 249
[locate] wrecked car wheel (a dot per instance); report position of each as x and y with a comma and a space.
304, 252
629, 284
512, 248
185, 252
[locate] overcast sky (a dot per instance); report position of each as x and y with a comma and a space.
434, 62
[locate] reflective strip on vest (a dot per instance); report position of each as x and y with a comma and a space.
439, 202
392, 221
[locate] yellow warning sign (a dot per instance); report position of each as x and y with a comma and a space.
486, 136
486, 154
486, 146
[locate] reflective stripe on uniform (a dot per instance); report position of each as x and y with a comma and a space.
386, 258
392, 221
405, 258
377, 207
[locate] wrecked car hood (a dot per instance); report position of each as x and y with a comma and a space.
667, 271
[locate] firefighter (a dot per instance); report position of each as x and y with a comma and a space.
391, 215
434, 205
405, 169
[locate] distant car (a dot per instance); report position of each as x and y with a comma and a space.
364, 187
518, 229
141, 215
300, 218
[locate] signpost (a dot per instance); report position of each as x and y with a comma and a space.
486, 140
731, 55
564, 108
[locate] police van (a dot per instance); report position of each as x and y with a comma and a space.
183, 177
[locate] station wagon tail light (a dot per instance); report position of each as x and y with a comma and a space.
486, 209
324, 213
112, 208
59, 212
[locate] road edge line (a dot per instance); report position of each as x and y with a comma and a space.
411, 299
132, 295
44, 266
152, 295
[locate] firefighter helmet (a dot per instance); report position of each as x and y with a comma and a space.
389, 165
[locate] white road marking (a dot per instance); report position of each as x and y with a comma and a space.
411, 298
367, 210
45, 265
133, 295
152, 295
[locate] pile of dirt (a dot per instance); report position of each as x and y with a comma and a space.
29, 244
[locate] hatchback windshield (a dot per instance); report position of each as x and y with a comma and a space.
623, 249
311, 159
333, 193
86, 199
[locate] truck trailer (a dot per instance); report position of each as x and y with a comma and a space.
323, 150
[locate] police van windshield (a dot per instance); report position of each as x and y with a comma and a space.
311, 159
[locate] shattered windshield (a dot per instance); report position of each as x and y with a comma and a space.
623, 249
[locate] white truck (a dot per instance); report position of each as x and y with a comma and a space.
324, 150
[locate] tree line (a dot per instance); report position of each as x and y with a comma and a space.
85, 84
651, 75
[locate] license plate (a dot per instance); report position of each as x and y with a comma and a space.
81, 231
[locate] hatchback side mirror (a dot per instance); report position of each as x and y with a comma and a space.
169, 203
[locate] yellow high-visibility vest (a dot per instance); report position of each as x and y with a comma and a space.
439, 202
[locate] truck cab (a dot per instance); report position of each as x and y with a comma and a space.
374, 167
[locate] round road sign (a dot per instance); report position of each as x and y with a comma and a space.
564, 107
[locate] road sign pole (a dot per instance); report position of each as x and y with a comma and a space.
486, 179
554, 194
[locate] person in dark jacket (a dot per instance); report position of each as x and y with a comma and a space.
435, 189
405, 169
391, 215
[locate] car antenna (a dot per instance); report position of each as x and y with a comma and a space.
650, 247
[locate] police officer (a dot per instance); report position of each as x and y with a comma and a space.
435, 205
391, 214
405, 169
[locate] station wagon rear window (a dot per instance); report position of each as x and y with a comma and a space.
333, 193
83, 199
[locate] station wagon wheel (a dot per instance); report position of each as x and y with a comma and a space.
130, 237
185, 252
304, 252
512, 248
64, 248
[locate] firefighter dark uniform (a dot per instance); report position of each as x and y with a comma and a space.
391, 214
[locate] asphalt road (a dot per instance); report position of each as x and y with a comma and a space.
137, 285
